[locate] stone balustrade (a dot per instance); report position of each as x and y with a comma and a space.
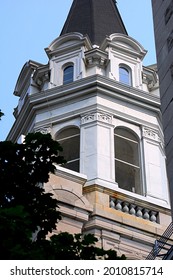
134, 209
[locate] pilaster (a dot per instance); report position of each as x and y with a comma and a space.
156, 179
97, 155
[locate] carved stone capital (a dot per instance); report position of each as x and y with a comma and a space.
96, 116
149, 133
153, 135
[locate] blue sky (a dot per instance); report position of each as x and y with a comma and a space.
28, 27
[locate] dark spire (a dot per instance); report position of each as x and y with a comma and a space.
96, 18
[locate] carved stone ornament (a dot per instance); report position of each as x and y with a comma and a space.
43, 130
149, 133
153, 135
96, 116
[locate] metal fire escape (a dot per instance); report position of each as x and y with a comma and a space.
163, 247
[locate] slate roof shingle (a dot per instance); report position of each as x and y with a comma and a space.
96, 18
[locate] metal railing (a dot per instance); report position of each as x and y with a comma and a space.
162, 244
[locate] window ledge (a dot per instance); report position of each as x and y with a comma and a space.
70, 175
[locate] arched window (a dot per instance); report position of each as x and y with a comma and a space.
68, 74
69, 140
125, 75
127, 160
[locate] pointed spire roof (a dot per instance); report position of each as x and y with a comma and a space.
96, 18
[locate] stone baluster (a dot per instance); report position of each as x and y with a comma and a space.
112, 203
132, 210
153, 217
146, 215
125, 207
139, 212
118, 205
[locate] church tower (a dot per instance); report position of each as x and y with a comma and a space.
97, 99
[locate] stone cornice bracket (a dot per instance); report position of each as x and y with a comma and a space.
97, 116
96, 57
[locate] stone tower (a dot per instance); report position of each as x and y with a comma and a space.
97, 99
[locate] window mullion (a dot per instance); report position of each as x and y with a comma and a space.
123, 137
125, 162
68, 137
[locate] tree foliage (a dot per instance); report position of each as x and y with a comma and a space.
28, 213
15, 233
23, 170
65, 246
79, 247
1, 114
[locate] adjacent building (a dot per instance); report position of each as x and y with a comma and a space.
98, 100
163, 27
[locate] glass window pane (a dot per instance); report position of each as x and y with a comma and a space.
69, 140
127, 176
68, 75
68, 133
125, 133
74, 165
70, 148
124, 76
127, 160
126, 150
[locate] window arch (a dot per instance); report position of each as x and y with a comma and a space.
125, 75
127, 160
69, 139
68, 74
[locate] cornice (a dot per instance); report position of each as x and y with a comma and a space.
95, 85
24, 76
71, 175
103, 85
